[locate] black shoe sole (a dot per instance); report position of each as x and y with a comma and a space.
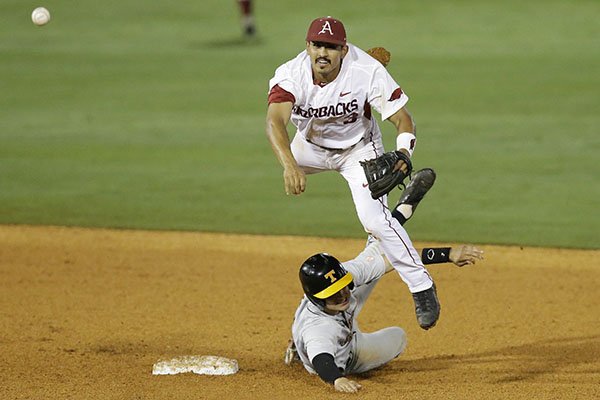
417, 188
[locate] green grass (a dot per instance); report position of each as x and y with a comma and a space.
151, 115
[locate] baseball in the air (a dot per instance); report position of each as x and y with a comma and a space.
40, 16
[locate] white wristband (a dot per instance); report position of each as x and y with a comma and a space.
406, 140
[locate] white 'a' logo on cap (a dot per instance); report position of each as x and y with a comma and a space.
326, 28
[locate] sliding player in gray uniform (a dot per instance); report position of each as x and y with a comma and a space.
325, 332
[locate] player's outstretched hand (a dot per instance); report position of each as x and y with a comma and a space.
465, 254
294, 180
345, 385
291, 354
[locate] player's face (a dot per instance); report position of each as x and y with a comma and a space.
339, 301
326, 58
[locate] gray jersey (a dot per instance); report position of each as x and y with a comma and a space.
316, 332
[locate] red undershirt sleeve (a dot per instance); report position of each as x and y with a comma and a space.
278, 95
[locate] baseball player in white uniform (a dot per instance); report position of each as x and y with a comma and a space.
329, 91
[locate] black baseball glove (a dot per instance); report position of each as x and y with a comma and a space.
381, 175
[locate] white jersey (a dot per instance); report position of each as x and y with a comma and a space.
315, 332
338, 115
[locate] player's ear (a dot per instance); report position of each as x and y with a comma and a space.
344, 51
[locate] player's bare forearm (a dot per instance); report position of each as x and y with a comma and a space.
403, 121
278, 115
280, 143
405, 141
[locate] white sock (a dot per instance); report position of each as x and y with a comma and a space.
406, 210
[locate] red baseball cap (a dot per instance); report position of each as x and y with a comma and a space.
327, 30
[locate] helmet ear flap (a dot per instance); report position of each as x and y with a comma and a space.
317, 302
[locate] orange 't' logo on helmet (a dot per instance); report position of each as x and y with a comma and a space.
330, 276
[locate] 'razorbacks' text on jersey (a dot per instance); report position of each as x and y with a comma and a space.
338, 114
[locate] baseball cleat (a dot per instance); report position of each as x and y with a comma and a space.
414, 192
427, 307
249, 29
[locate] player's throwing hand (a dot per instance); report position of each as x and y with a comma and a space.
294, 179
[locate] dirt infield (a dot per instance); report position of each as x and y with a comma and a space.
86, 313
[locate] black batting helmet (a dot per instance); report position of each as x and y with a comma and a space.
323, 276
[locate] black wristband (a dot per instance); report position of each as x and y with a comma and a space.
435, 255
324, 365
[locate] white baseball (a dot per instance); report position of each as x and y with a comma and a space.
40, 16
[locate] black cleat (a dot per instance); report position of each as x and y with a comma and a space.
250, 30
414, 192
427, 307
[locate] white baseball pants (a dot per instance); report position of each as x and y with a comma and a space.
373, 214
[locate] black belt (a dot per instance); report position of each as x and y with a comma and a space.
332, 149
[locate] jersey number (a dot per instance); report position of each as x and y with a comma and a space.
351, 118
